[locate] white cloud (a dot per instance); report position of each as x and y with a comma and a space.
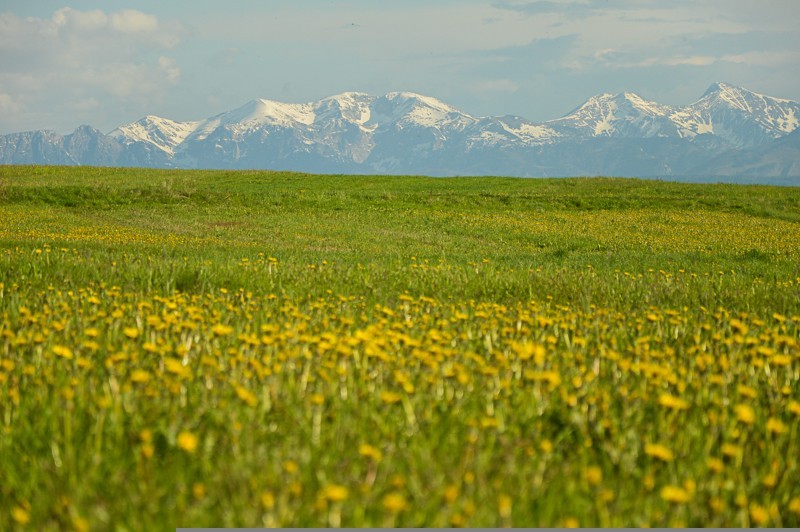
771, 59
692, 60
170, 68
7, 104
91, 63
81, 20
132, 21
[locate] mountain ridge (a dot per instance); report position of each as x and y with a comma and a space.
406, 132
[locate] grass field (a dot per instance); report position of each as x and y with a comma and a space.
210, 348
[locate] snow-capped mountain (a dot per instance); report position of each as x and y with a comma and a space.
735, 115
404, 132
741, 117
621, 115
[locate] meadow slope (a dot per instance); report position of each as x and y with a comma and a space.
212, 348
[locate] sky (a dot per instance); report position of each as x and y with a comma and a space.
64, 63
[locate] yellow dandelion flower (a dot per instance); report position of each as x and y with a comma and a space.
794, 407
175, 365
765, 350
571, 522
739, 326
268, 500
317, 398
758, 514
659, 451
80, 524
670, 401
745, 413
148, 450
730, 450
221, 329
776, 426
187, 442
395, 502
593, 475
198, 490
770, 481
246, 396
716, 465
606, 495
794, 506
131, 332
716, 504
20, 515
675, 494
63, 352
140, 376
334, 493
451, 493
370, 452
504, 506
747, 391
390, 397
781, 360
291, 467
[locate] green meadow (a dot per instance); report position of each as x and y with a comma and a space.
251, 348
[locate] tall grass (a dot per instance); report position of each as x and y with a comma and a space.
257, 349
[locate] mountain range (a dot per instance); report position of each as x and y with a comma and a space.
730, 133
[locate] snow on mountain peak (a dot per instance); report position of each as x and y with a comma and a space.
351, 106
351, 124
163, 133
262, 111
724, 103
622, 114
425, 111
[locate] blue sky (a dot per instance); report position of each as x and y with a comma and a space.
105, 63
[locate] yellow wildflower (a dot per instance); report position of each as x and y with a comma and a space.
395, 502
370, 452
20, 515
187, 442
758, 514
670, 401
730, 450
504, 506
745, 413
140, 376
247, 396
390, 397
221, 329
675, 494
716, 465
62, 351
659, 451
334, 493
593, 475
794, 506
268, 500
776, 426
